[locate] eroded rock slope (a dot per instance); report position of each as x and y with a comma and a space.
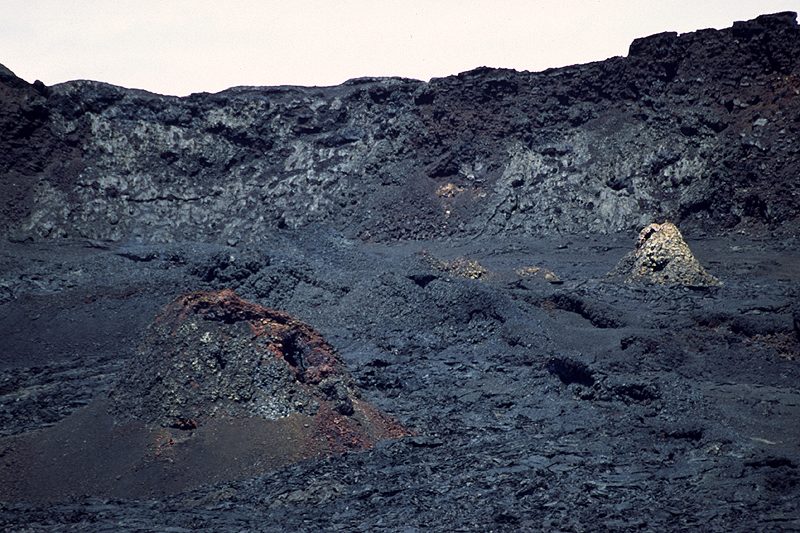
700, 128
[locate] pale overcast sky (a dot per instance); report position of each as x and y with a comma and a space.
184, 46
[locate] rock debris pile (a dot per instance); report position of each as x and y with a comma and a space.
212, 354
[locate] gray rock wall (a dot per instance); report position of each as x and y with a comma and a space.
701, 128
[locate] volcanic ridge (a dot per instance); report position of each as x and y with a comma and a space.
497, 301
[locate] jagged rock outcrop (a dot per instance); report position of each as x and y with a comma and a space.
701, 128
662, 256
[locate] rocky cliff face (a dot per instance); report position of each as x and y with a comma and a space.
702, 128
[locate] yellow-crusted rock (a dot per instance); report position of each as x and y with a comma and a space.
662, 256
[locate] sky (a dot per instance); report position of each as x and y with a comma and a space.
179, 47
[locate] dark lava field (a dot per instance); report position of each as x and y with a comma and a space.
447, 351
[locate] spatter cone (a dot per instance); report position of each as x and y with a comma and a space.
662, 256
213, 356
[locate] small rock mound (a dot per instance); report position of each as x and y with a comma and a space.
662, 256
212, 354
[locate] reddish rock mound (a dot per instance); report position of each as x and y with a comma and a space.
220, 388
212, 354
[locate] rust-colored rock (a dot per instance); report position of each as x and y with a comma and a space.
212, 354
662, 256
